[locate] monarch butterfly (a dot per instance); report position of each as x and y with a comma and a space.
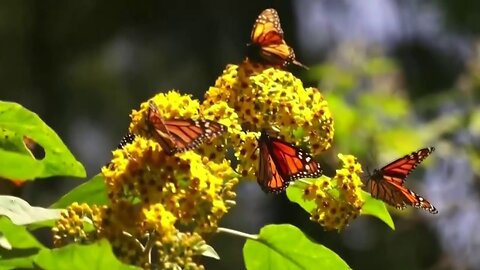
281, 162
179, 135
388, 182
267, 43
128, 138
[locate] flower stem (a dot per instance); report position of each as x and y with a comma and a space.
237, 233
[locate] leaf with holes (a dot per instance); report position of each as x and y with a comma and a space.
18, 125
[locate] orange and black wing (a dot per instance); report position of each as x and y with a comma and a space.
281, 163
159, 130
399, 169
189, 134
267, 42
180, 135
399, 196
387, 183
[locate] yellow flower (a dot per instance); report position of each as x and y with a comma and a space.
187, 185
338, 200
158, 218
266, 97
70, 226
170, 105
180, 251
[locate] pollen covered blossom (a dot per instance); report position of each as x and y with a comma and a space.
164, 203
157, 200
337, 200
264, 97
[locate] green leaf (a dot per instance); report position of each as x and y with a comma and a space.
286, 247
95, 256
90, 192
295, 194
23, 262
22, 213
17, 122
4, 242
209, 251
377, 209
18, 236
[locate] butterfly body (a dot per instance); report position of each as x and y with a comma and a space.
388, 182
128, 138
267, 43
281, 163
177, 135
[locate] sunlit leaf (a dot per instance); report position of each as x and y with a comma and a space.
377, 209
286, 247
295, 194
14, 164
95, 256
91, 192
21, 212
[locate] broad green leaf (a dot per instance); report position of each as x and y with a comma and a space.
377, 209
18, 236
91, 192
286, 247
209, 251
10, 141
18, 164
95, 256
21, 212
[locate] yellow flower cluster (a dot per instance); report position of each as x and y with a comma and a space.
338, 200
154, 197
265, 97
178, 252
165, 204
70, 227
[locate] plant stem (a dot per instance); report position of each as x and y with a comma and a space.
237, 233
149, 245
134, 239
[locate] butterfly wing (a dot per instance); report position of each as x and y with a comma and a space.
180, 135
281, 163
160, 133
267, 29
387, 183
188, 134
268, 177
399, 196
398, 170
268, 43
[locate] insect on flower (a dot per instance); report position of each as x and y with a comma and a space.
282, 163
267, 42
388, 182
179, 135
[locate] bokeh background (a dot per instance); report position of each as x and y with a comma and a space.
398, 75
